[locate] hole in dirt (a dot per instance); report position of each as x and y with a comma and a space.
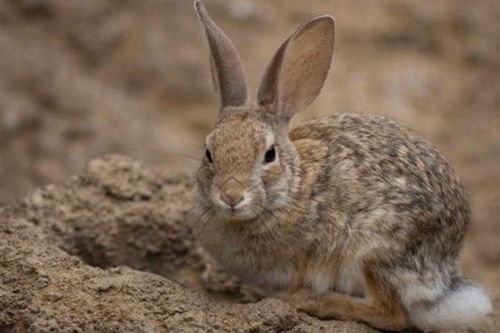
161, 250
94, 257
170, 251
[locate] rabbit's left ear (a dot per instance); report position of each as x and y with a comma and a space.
299, 68
228, 75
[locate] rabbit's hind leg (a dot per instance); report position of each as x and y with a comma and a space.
381, 307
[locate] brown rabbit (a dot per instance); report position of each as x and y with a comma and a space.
350, 216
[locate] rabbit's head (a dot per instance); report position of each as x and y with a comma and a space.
250, 165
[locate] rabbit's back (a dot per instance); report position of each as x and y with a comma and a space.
389, 184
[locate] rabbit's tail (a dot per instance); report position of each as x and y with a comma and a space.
459, 305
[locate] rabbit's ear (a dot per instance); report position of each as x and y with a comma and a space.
228, 75
299, 68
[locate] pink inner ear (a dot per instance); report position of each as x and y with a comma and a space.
305, 66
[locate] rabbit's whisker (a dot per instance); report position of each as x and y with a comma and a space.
188, 156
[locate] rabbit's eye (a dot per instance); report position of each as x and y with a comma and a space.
270, 155
208, 155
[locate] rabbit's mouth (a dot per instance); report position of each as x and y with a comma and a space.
234, 209
237, 214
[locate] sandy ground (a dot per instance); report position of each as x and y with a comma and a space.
81, 79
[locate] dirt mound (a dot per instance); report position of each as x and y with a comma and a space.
112, 250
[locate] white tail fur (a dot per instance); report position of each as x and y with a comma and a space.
459, 307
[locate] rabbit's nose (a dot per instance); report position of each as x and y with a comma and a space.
232, 197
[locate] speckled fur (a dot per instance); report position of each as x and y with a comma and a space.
360, 219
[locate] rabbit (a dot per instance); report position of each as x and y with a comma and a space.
349, 217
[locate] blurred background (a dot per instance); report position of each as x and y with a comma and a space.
84, 78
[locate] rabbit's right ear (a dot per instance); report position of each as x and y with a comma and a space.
299, 69
228, 75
